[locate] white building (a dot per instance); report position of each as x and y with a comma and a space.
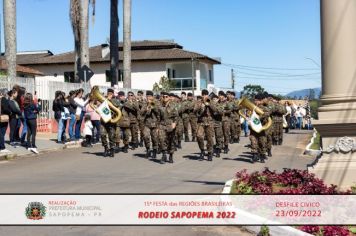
150, 61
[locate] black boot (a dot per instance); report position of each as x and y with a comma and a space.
201, 157
254, 158
280, 142
210, 156
186, 139
148, 153
112, 152
171, 158
218, 151
231, 141
269, 152
141, 143
226, 149
179, 146
126, 149
238, 140
154, 154
262, 158
106, 152
193, 139
117, 148
164, 157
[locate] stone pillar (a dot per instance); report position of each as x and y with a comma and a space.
337, 115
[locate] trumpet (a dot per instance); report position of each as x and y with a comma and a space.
151, 104
244, 102
115, 112
207, 101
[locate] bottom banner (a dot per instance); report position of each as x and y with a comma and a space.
178, 209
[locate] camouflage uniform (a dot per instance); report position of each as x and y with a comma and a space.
140, 119
150, 114
227, 108
193, 119
133, 111
186, 109
259, 140
124, 125
205, 127
218, 128
107, 131
277, 117
235, 122
179, 129
168, 116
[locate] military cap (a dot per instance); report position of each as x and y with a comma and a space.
204, 92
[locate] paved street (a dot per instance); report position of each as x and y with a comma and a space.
86, 171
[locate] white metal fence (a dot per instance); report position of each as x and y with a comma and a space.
45, 90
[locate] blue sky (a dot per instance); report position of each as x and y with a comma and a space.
257, 33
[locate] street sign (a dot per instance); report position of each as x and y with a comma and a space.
85, 73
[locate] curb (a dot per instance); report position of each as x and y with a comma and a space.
12, 156
309, 151
274, 230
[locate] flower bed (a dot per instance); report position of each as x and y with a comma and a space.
290, 181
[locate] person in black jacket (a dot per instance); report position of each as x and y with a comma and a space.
5, 110
14, 116
72, 109
30, 113
58, 107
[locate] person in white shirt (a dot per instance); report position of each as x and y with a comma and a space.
80, 111
88, 131
299, 116
288, 115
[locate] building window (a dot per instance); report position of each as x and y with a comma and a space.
210, 76
169, 73
173, 74
69, 77
108, 76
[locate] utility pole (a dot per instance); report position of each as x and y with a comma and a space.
233, 79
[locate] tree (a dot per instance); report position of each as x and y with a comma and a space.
127, 44
10, 37
79, 18
75, 10
164, 85
250, 90
114, 42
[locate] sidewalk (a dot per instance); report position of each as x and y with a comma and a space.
45, 142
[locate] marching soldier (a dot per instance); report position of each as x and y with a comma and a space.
235, 118
107, 130
150, 113
179, 129
218, 127
204, 110
259, 140
227, 108
277, 116
193, 119
141, 125
133, 111
124, 123
185, 110
168, 123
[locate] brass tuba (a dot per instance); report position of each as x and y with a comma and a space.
244, 102
115, 112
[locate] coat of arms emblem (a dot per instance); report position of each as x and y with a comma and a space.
35, 211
